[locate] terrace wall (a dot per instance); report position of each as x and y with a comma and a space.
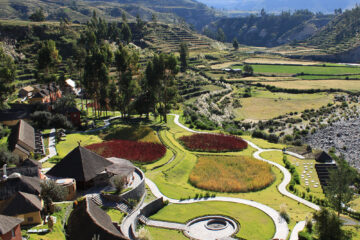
153, 207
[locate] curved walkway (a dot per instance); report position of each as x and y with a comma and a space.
287, 175
282, 186
281, 227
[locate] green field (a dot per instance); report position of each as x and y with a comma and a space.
284, 69
249, 218
350, 85
315, 77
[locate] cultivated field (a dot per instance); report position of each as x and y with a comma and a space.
231, 174
349, 85
266, 105
279, 61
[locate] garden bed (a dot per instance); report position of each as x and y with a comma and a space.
231, 174
213, 143
143, 152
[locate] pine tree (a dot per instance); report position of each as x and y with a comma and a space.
184, 54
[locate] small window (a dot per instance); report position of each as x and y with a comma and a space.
12, 233
30, 219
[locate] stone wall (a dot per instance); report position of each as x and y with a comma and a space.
152, 207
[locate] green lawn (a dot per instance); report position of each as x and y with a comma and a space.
162, 233
249, 218
172, 179
115, 215
305, 69
71, 141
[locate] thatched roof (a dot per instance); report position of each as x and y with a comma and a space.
8, 223
323, 157
120, 167
16, 182
21, 203
87, 215
27, 134
16, 112
80, 164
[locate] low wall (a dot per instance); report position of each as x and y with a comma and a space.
135, 193
153, 207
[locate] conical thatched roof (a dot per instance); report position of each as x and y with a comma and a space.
323, 157
80, 164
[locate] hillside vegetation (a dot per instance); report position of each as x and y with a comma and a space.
341, 34
268, 29
192, 12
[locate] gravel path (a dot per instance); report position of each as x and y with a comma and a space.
52, 146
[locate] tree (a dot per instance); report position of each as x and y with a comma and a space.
248, 69
235, 44
154, 18
126, 64
328, 226
64, 103
6, 157
139, 22
113, 96
7, 77
338, 190
119, 182
126, 32
184, 54
60, 121
51, 192
38, 16
220, 35
48, 57
41, 119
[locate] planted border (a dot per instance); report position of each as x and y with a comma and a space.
213, 143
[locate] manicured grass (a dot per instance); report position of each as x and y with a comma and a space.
71, 141
162, 233
270, 105
134, 133
305, 69
249, 218
263, 143
351, 85
231, 174
172, 179
142, 152
115, 215
58, 231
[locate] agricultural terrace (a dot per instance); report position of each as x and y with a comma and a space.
248, 217
350, 85
263, 105
213, 143
278, 61
291, 70
142, 152
231, 174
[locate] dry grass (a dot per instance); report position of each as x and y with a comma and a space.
224, 65
262, 108
350, 85
231, 174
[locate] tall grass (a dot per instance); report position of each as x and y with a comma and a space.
231, 174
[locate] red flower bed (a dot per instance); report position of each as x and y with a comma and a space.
131, 150
213, 143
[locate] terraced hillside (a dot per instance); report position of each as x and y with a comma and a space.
167, 38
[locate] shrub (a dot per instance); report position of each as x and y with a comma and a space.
132, 150
284, 214
304, 236
213, 143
